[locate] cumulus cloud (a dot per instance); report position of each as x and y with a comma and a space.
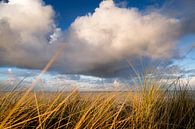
28, 17
123, 32
112, 34
98, 44
24, 28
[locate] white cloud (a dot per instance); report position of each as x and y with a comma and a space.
55, 36
30, 18
109, 35
122, 32
24, 29
112, 34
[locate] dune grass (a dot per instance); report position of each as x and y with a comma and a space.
149, 107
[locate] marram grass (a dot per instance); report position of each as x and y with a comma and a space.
147, 108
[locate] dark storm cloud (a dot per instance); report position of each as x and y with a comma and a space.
133, 67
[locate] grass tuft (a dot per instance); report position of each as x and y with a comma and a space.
150, 107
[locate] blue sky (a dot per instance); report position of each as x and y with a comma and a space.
188, 62
68, 10
101, 37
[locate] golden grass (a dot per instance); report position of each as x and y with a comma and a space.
150, 107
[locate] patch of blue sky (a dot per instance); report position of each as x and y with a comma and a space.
187, 48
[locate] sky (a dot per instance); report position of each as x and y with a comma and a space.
95, 38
